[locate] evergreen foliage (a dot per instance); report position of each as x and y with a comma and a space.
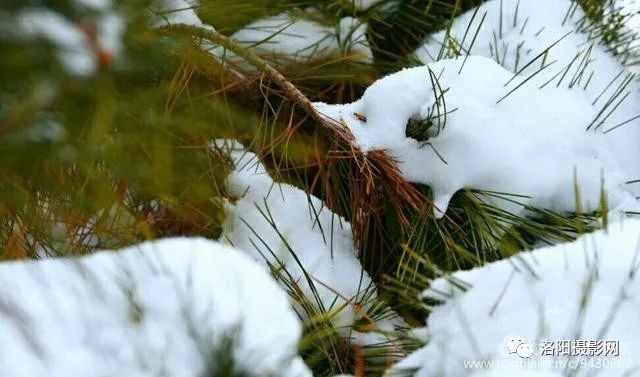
123, 154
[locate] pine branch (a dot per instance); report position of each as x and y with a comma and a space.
375, 166
291, 91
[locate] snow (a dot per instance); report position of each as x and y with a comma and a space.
586, 289
100, 5
528, 28
175, 12
531, 143
515, 32
280, 37
46, 128
161, 307
631, 8
74, 48
111, 28
180, 12
320, 242
287, 38
364, 4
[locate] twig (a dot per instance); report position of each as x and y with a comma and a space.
290, 90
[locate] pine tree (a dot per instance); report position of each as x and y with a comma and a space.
107, 116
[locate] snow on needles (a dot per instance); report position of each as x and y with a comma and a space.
364, 4
630, 11
553, 43
287, 38
283, 38
532, 142
180, 12
587, 289
283, 226
169, 307
77, 51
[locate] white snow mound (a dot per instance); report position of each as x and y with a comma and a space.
281, 225
584, 290
163, 307
526, 35
531, 143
